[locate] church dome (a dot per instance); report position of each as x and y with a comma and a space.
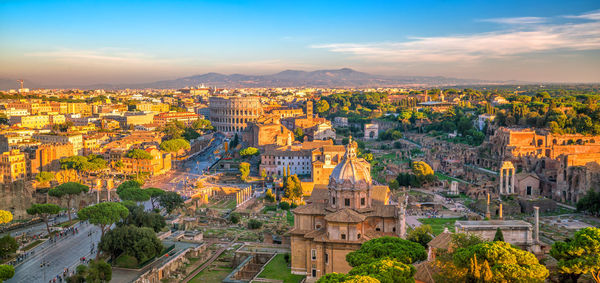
352, 172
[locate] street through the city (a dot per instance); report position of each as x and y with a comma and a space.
65, 252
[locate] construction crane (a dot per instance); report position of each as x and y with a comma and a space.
21, 82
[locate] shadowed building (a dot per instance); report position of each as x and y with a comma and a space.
338, 220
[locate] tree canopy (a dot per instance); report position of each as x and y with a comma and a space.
139, 154
104, 214
137, 242
580, 255
154, 193
5, 216
133, 194
175, 145
170, 201
505, 262
590, 203
420, 235
68, 190
8, 246
249, 151
6, 272
44, 211
244, 170
44, 177
292, 187
88, 163
395, 248
140, 218
386, 271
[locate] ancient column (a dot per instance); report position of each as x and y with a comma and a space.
512, 183
501, 189
488, 215
536, 210
500, 212
506, 184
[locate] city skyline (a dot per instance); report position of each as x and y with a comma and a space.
54, 42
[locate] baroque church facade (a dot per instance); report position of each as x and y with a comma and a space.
340, 216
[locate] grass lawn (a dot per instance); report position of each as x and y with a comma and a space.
68, 223
438, 224
32, 245
290, 218
212, 275
278, 269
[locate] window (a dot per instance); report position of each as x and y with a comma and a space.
314, 273
347, 202
333, 200
377, 229
343, 236
358, 236
528, 190
362, 201
313, 254
326, 258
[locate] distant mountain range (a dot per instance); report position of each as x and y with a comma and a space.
290, 78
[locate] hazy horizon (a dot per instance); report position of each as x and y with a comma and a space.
113, 42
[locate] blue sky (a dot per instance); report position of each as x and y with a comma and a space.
135, 41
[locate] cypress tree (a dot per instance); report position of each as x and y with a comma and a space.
499, 236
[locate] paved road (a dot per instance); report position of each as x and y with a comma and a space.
60, 254
39, 228
181, 178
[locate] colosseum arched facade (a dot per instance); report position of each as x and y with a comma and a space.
231, 114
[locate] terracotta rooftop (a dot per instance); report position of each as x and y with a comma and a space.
345, 215
313, 208
441, 241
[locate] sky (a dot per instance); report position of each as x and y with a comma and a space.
88, 42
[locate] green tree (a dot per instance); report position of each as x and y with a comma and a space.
68, 190
173, 130
6, 272
44, 211
507, 263
249, 151
299, 134
420, 235
98, 271
154, 194
579, 255
234, 217
140, 243
499, 236
244, 170
386, 271
140, 218
254, 224
8, 246
138, 155
5, 216
175, 145
170, 201
394, 248
322, 106
292, 187
133, 194
590, 203
44, 177
202, 124
104, 214
269, 196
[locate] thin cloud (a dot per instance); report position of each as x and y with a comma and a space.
105, 55
502, 44
594, 15
516, 21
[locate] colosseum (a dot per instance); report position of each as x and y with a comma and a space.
230, 114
